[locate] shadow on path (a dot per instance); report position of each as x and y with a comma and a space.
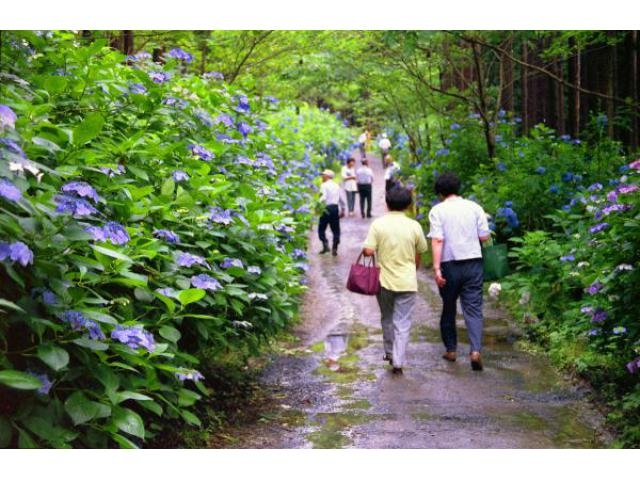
334, 391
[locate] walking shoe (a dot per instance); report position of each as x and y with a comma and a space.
325, 247
334, 252
476, 361
450, 356
397, 371
387, 357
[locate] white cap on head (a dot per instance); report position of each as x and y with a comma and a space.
328, 173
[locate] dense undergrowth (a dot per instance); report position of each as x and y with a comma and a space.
153, 224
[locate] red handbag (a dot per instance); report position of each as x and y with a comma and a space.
364, 277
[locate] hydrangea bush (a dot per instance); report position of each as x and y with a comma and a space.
147, 216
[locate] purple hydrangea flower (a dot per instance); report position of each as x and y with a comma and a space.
139, 57
7, 117
201, 152
599, 227
168, 235
635, 164
12, 146
110, 172
231, 262
159, 77
596, 187
225, 119
254, 269
134, 337
599, 315
595, 287
81, 189
220, 215
540, 170
138, 88
204, 117
97, 233
206, 282
618, 207
175, 102
192, 375
244, 128
16, 252
186, 259
628, 189
297, 253
46, 383
243, 104
180, 54
180, 176
116, 233
214, 75
79, 322
634, 365
567, 258
49, 298
9, 191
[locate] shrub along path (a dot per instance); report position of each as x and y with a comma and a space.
332, 389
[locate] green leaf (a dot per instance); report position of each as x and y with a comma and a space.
186, 398
90, 344
170, 333
55, 357
124, 442
190, 418
143, 295
11, 305
126, 395
128, 421
25, 440
111, 253
191, 295
168, 187
80, 408
19, 380
5, 432
89, 129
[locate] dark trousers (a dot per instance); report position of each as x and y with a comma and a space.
464, 281
364, 190
330, 217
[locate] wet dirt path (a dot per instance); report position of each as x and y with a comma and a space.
332, 389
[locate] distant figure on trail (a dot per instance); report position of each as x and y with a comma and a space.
363, 139
349, 184
333, 209
397, 241
391, 168
364, 180
385, 145
456, 225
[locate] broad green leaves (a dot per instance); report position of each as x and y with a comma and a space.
19, 380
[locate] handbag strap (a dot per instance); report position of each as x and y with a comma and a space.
372, 260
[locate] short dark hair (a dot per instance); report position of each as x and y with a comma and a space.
351, 159
398, 198
447, 184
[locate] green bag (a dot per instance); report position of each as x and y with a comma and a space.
495, 262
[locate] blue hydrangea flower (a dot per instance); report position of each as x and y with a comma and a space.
297, 253
138, 88
9, 191
168, 235
599, 315
244, 128
509, 215
140, 57
49, 298
201, 152
159, 77
540, 170
442, 151
595, 287
554, 189
214, 75
567, 258
16, 252
46, 382
175, 102
204, 117
619, 330
180, 176
81, 189
192, 375
79, 322
225, 119
596, 187
97, 233
220, 215
110, 172
618, 207
254, 269
186, 259
271, 99
134, 337
7, 117
116, 233
12, 146
567, 177
167, 292
231, 262
180, 54
243, 104
206, 282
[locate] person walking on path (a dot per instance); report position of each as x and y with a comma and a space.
362, 144
385, 145
350, 185
398, 241
390, 170
333, 209
457, 226
364, 180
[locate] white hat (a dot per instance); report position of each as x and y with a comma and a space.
328, 173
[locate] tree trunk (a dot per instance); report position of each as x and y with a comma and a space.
524, 87
127, 43
634, 91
